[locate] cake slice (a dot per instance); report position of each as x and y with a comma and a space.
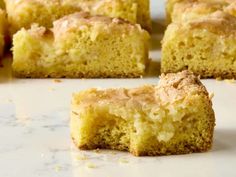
23, 13
174, 117
80, 45
205, 46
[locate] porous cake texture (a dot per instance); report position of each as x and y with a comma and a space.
173, 117
80, 45
205, 46
3, 29
22, 13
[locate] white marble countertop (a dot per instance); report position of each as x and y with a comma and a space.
35, 137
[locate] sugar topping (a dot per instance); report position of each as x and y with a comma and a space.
171, 88
218, 22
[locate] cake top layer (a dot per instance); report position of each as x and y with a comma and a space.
171, 88
84, 4
43, 2
218, 22
187, 10
199, 7
83, 21
85, 18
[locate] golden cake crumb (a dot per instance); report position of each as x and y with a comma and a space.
98, 151
123, 160
90, 165
81, 157
57, 80
113, 153
211, 95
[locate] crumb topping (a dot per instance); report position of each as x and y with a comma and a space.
171, 88
219, 22
83, 21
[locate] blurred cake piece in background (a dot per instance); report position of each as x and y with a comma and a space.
81, 45
205, 46
23, 13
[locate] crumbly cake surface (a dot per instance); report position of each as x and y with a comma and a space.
23, 13
204, 45
80, 45
135, 11
174, 117
187, 9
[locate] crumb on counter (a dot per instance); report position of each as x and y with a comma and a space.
97, 151
57, 168
113, 153
123, 160
211, 95
57, 80
90, 165
82, 157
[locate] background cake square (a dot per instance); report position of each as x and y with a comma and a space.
205, 46
80, 45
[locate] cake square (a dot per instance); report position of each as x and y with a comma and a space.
205, 46
23, 13
174, 117
81, 45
